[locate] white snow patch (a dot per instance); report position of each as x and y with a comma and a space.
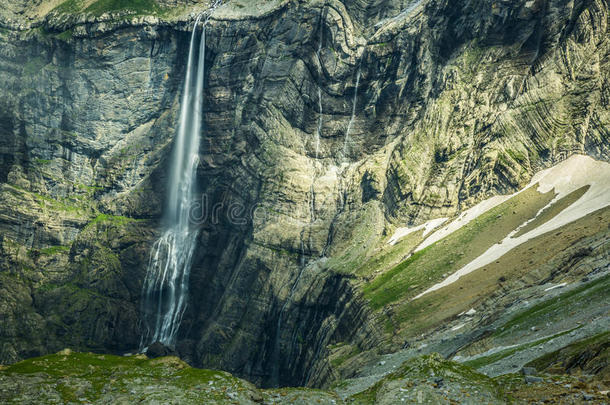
556, 286
427, 227
464, 218
566, 177
458, 327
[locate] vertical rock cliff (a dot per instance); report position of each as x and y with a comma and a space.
447, 103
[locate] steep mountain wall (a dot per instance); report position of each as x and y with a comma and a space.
455, 101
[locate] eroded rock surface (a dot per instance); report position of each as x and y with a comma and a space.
455, 102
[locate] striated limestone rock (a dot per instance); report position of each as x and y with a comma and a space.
456, 102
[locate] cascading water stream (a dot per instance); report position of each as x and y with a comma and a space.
318, 55
319, 130
351, 120
165, 289
404, 13
312, 203
326, 327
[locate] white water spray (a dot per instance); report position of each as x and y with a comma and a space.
165, 289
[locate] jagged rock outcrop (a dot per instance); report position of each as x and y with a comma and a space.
455, 102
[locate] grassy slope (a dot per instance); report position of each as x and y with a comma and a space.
437, 307
433, 380
554, 209
86, 377
426, 267
589, 294
587, 356
492, 358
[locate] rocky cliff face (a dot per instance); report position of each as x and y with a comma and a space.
326, 125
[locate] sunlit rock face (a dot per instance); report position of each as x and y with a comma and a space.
447, 103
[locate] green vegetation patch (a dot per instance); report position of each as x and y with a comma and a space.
596, 348
568, 301
137, 6
300, 395
390, 255
59, 365
553, 210
66, 35
113, 219
517, 156
492, 358
344, 354
84, 377
78, 205
33, 66
99, 7
53, 250
42, 162
416, 373
432, 264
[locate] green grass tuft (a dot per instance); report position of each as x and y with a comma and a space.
33, 66
53, 250
114, 219
136, 6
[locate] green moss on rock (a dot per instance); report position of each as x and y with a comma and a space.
99, 7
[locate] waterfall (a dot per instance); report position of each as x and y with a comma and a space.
165, 289
312, 203
351, 120
318, 52
319, 130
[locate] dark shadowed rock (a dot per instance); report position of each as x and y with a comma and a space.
528, 371
158, 349
530, 379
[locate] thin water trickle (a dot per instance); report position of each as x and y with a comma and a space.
318, 55
351, 120
319, 130
165, 289
312, 204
